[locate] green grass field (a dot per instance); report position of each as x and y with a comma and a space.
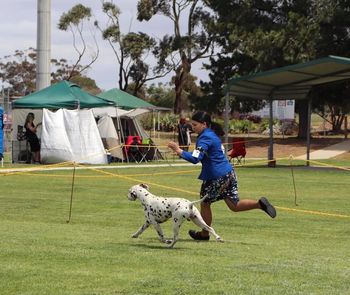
305, 250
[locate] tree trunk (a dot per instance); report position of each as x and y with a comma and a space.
180, 79
303, 119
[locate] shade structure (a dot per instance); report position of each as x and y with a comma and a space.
125, 100
290, 82
63, 94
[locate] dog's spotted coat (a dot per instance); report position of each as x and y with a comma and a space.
158, 210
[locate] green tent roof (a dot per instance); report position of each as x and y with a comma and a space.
124, 100
291, 82
61, 95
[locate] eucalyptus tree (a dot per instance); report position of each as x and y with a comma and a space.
262, 35
75, 21
18, 73
190, 40
132, 50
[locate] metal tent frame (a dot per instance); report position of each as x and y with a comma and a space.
290, 82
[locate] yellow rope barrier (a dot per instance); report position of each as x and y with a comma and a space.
133, 178
313, 212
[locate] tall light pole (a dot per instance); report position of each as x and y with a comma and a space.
43, 45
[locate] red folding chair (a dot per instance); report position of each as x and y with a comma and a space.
132, 148
238, 151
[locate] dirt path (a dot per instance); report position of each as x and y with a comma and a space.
257, 147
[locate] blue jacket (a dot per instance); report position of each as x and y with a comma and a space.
209, 151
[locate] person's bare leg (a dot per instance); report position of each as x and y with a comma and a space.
247, 204
37, 156
242, 205
207, 216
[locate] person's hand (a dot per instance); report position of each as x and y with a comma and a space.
39, 124
175, 147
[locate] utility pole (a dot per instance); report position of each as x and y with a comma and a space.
43, 71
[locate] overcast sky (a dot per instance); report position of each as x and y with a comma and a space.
18, 19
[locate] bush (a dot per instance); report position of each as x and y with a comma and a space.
147, 121
253, 118
241, 126
265, 129
168, 122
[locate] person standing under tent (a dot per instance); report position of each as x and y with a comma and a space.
184, 138
219, 180
31, 136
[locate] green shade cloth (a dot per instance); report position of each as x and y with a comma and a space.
291, 82
61, 95
125, 100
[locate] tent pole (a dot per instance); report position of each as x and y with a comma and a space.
308, 135
121, 133
71, 194
270, 150
154, 124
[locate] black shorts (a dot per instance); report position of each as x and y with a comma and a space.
221, 188
34, 145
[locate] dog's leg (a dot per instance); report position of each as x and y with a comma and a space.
176, 227
198, 220
141, 229
160, 233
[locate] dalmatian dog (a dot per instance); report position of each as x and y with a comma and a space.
158, 210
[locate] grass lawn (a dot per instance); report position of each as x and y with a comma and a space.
302, 251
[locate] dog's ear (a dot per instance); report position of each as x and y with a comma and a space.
144, 186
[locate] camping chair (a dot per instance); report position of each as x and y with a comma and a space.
132, 148
238, 151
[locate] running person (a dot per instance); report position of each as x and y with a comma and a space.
218, 175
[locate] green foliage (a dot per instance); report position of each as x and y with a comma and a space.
168, 122
147, 121
136, 44
111, 33
94, 254
86, 83
19, 72
241, 126
180, 50
161, 95
74, 17
132, 50
265, 124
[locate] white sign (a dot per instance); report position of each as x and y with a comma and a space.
282, 110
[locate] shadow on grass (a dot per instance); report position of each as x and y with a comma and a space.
181, 244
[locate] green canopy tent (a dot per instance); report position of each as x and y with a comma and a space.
73, 107
125, 100
290, 82
61, 95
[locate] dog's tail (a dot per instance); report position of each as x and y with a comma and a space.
198, 201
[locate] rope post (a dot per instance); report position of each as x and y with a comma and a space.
71, 194
291, 169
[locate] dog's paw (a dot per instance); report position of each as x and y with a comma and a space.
134, 236
219, 239
166, 241
170, 246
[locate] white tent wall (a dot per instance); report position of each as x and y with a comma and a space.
110, 111
71, 135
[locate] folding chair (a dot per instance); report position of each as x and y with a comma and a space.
132, 148
238, 151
